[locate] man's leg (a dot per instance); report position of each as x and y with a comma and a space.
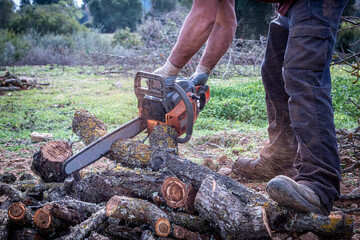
278, 157
313, 26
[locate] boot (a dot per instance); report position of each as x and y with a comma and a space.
287, 192
259, 169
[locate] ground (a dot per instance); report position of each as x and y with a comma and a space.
211, 151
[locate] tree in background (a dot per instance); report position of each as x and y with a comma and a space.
161, 6
47, 18
42, 2
115, 14
253, 18
24, 3
7, 8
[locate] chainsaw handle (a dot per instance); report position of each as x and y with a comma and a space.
189, 113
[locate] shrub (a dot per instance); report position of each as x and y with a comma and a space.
126, 38
12, 47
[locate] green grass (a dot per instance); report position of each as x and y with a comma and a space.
235, 104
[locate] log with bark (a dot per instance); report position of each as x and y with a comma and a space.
19, 214
48, 161
137, 210
155, 186
226, 213
88, 127
4, 224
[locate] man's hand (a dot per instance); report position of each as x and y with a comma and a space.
199, 79
200, 75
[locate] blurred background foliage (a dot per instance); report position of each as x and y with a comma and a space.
61, 32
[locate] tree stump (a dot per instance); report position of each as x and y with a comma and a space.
48, 161
138, 210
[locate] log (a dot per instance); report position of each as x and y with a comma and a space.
19, 214
97, 236
123, 232
191, 222
46, 223
282, 219
147, 235
100, 187
85, 209
8, 178
4, 224
83, 229
48, 161
139, 210
130, 153
88, 127
216, 204
183, 233
10, 88
192, 173
164, 137
227, 214
24, 234
64, 213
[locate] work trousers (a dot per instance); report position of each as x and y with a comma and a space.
297, 82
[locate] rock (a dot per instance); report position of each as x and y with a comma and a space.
225, 170
40, 137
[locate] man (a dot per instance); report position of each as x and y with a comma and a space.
297, 84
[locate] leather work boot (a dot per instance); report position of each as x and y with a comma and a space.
258, 169
287, 192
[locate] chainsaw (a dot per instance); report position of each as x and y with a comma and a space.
176, 103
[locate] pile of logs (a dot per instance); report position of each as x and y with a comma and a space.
151, 193
9, 82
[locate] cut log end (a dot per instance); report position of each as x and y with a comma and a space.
174, 192
17, 211
162, 227
48, 161
42, 219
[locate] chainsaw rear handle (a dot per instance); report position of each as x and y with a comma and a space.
189, 113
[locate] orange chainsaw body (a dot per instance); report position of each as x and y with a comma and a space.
176, 118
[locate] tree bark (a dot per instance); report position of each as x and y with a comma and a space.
4, 224
283, 219
83, 229
138, 210
191, 222
24, 234
229, 215
183, 233
88, 127
48, 161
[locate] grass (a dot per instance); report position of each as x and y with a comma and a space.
235, 104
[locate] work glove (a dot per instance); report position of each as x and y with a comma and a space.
200, 76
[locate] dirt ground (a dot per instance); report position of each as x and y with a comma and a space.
215, 152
